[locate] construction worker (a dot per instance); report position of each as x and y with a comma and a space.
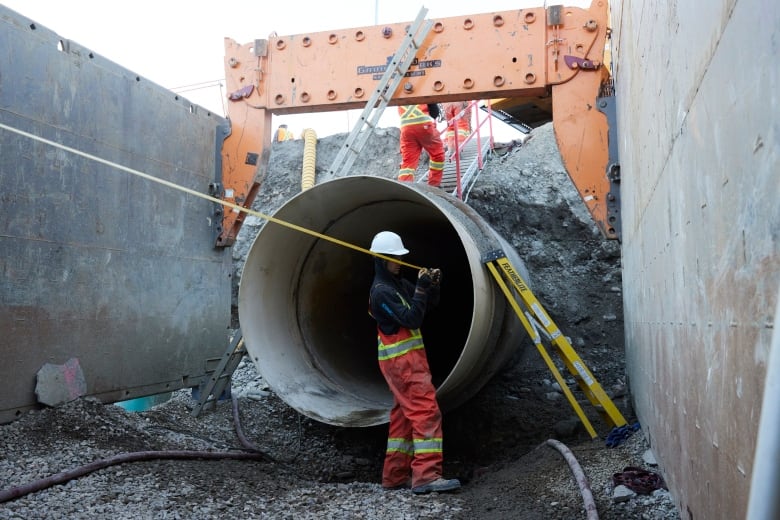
418, 132
461, 125
283, 134
414, 453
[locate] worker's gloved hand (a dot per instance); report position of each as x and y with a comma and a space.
424, 279
435, 276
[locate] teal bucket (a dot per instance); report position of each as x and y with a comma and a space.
142, 404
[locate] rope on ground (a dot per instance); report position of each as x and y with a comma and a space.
579, 475
638, 480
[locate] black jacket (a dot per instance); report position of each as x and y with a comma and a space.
388, 309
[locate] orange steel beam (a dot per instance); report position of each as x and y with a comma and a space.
521, 53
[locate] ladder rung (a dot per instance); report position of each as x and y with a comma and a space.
212, 389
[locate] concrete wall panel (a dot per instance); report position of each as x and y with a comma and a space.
698, 124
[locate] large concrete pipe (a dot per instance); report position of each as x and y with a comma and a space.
303, 301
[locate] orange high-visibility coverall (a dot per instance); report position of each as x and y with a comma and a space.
414, 441
283, 134
463, 125
418, 132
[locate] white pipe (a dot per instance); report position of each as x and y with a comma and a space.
764, 500
303, 301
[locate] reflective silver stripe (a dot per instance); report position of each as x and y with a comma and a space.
414, 116
436, 165
400, 446
416, 121
427, 445
399, 349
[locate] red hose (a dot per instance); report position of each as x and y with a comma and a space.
582, 480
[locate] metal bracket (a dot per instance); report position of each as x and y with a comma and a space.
607, 105
241, 93
554, 15
490, 256
216, 188
574, 62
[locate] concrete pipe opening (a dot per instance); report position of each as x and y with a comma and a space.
303, 301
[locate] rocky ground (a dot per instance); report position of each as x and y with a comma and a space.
495, 443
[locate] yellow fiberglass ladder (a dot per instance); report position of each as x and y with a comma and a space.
536, 317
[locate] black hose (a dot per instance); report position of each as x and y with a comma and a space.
64, 476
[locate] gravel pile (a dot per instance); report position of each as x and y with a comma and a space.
300, 482
311, 474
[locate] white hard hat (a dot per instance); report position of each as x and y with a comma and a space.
388, 243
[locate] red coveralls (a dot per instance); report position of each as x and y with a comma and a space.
418, 131
283, 134
414, 441
415, 436
463, 125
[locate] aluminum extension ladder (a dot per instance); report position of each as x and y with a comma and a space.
535, 316
212, 388
394, 74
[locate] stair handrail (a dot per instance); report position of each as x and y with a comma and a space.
459, 147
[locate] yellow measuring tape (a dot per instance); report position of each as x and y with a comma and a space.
207, 197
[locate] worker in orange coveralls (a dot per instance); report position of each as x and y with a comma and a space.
414, 454
283, 134
462, 125
418, 132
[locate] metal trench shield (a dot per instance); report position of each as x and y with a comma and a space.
100, 266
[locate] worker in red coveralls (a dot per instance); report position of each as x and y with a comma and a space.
418, 132
283, 134
462, 125
414, 454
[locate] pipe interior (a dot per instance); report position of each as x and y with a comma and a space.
336, 327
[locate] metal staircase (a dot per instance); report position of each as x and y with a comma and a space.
469, 162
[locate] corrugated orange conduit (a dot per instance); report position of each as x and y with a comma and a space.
309, 158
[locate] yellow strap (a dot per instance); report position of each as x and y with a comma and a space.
207, 197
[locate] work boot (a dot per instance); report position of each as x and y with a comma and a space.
440, 485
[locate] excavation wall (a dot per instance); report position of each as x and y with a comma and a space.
697, 92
